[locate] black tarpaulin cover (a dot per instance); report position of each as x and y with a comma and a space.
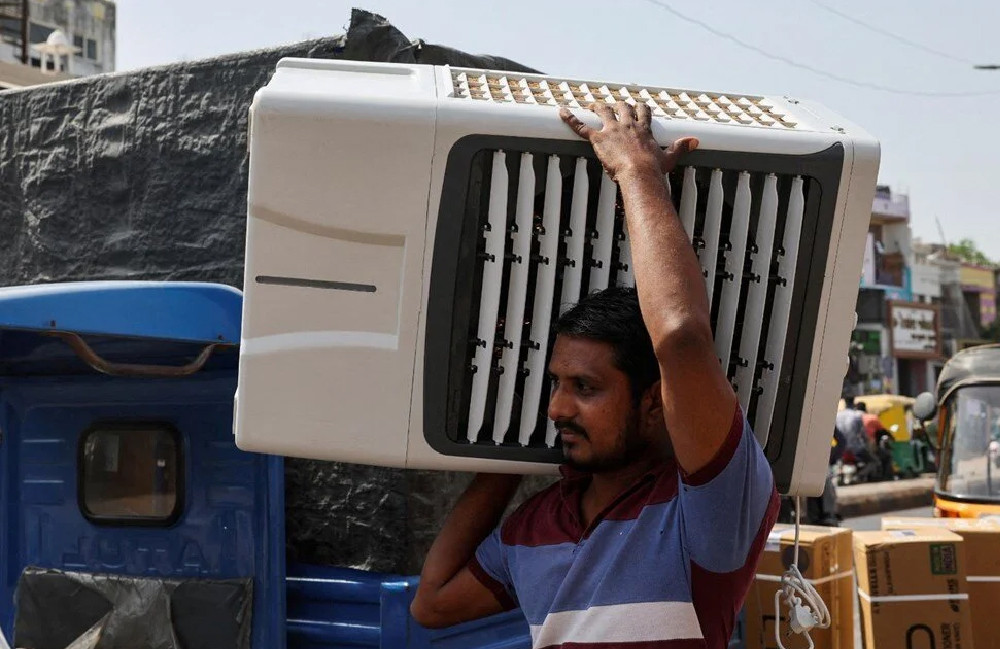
55, 609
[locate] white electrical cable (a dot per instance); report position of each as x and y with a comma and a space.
806, 609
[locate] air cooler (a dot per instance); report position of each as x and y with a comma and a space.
414, 230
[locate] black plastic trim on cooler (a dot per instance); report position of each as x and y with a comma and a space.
453, 271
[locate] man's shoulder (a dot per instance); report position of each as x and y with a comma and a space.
539, 503
536, 520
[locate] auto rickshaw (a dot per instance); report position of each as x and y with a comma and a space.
966, 412
896, 415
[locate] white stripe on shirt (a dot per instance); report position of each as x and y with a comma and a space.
639, 622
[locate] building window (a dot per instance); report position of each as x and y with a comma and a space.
38, 33
91, 49
78, 42
870, 306
130, 474
10, 30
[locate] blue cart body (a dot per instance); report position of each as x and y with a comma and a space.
117, 459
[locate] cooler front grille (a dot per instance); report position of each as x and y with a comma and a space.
541, 224
509, 88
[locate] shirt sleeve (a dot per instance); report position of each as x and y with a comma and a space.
489, 566
724, 504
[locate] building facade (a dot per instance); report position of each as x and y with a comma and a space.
979, 289
88, 28
878, 351
916, 306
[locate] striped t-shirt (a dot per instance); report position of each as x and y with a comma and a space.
666, 565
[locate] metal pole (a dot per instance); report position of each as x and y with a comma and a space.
24, 32
989, 474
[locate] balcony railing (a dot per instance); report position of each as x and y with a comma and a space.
892, 207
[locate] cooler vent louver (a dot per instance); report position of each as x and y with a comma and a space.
552, 230
471, 217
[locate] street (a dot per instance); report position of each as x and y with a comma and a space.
874, 522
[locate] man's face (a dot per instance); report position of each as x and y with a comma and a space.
600, 426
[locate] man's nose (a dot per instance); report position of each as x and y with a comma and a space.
561, 405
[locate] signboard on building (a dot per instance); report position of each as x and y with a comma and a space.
866, 342
914, 330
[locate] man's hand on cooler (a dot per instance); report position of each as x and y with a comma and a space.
625, 144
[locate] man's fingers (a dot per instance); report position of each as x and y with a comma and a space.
676, 150
604, 111
625, 112
644, 115
574, 123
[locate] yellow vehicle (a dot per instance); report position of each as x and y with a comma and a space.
896, 414
967, 409
892, 410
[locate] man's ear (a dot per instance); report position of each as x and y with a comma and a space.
652, 402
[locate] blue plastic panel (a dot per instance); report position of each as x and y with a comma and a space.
232, 523
335, 608
180, 311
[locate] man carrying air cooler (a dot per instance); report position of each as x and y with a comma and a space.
652, 536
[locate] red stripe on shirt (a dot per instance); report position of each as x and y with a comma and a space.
722, 457
550, 517
542, 520
494, 586
662, 489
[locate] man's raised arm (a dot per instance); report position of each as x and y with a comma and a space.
698, 402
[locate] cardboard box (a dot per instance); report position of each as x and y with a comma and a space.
911, 585
824, 559
982, 560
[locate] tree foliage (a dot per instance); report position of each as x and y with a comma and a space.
967, 251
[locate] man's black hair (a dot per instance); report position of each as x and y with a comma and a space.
612, 316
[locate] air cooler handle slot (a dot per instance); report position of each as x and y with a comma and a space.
95, 361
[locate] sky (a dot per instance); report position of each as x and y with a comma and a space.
941, 148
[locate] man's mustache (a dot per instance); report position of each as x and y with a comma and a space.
572, 427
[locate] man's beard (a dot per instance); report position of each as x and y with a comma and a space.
629, 447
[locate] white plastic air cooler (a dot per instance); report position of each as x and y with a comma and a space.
414, 230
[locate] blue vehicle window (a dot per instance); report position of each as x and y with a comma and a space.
130, 474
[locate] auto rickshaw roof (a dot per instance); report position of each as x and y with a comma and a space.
980, 362
878, 403
193, 312
79, 327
